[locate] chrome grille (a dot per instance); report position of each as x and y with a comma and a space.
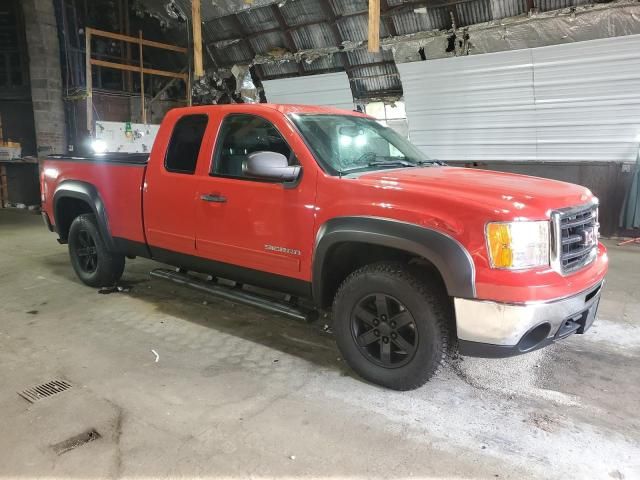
575, 238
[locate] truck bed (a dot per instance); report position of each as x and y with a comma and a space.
116, 178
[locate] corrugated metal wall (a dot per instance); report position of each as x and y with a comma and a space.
331, 90
572, 102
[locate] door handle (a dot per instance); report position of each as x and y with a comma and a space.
213, 198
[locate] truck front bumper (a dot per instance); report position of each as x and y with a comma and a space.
494, 330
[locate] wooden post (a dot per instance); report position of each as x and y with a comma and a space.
121, 30
189, 96
142, 99
127, 31
4, 187
374, 25
197, 39
89, 79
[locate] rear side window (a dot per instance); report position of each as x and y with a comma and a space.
184, 147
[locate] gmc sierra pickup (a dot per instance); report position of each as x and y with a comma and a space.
414, 258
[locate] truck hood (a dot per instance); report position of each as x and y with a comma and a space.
505, 193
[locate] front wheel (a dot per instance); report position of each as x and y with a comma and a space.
391, 326
92, 261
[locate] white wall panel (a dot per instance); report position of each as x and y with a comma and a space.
588, 100
474, 109
329, 90
572, 102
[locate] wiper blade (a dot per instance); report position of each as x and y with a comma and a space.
430, 162
390, 163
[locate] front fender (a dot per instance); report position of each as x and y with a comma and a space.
447, 254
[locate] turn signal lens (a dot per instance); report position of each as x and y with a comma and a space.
518, 245
499, 236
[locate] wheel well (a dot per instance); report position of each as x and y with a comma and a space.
344, 258
67, 209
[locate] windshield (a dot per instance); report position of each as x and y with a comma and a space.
346, 144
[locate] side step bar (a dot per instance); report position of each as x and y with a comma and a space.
236, 295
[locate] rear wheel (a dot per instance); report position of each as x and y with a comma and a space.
391, 325
94, 264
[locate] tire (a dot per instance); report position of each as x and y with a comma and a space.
93, 263
400, 354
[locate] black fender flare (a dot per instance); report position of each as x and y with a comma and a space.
451, 259
89, 194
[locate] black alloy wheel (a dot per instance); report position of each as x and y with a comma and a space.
384, 330
93, 262
87, 252
392, 324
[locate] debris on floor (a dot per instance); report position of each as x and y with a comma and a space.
114, 289
76, 441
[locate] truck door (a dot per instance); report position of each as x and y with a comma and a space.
252, 223
170, 186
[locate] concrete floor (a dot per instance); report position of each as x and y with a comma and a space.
239, 393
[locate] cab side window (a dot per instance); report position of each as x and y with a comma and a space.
241, 135
185, 143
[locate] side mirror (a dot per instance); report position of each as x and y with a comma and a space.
270, 166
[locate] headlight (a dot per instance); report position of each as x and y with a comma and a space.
518, 245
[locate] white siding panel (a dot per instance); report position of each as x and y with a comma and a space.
473, 108
572, 102
588, 100
328, 90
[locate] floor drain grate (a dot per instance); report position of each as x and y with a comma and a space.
45, 390
75, 442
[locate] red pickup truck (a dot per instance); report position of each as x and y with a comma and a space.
415, 258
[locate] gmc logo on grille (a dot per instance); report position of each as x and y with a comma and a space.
589, 236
